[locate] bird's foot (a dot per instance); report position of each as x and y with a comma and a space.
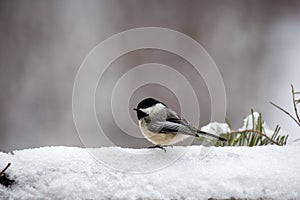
158, 146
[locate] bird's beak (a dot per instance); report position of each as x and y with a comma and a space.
135, 109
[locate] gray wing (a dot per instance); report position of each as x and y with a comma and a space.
170, 127
169, 122
180, 126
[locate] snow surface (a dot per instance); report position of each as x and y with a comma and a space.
268, 172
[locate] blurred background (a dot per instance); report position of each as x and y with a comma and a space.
255, 44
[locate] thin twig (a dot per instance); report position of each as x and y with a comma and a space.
296, 140
2, 172
294, 103
254, 131
286, 112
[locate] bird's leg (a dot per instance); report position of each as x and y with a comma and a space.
158, 146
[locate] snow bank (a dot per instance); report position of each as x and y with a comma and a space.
72, 173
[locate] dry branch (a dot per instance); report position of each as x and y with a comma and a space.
286, 112
294, 103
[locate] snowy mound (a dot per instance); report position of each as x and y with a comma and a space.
224, 172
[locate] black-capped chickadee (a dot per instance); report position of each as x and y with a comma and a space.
162, 126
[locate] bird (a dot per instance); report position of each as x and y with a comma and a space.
163, 127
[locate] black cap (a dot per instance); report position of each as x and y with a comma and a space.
148, 102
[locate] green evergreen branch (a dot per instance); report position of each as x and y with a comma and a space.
253, 136
252, 139
295, 102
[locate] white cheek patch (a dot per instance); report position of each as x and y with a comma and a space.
147, 110
155, 108
158, 107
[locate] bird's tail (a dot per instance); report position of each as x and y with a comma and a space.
211, 135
